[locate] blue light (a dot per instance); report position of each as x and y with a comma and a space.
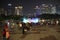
24, 20
29, 20
35, 20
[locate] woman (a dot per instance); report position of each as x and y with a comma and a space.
7, 34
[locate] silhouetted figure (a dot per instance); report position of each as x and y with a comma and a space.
23, 27
4, 34
28, 26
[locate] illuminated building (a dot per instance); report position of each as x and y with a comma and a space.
53, 10
37, 10
45, 9
3, 11
9, 11
58, 9
18, 10
48, 9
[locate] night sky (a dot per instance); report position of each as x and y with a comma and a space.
28, 5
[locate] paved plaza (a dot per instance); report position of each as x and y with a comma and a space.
38, 33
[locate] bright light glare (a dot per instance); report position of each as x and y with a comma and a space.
57, 22
42, 20
33, 20
16, 7
20, 25
8, 23
24, 20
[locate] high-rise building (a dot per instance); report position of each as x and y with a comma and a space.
37, 10
9, 9
48, 9
45, 9
3, 11
53, 10
18, 10
58, 9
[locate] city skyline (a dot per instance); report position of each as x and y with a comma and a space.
28, 5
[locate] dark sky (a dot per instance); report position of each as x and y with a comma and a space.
27, 4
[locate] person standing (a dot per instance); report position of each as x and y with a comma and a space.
23, 28
7, 34
4, 34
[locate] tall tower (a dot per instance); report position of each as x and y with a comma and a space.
18, 10
37, 10
9, 9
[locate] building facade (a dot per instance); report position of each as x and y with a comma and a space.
45, 9
18, 10
3, 11
37, 10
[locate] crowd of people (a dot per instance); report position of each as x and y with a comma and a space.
6, 31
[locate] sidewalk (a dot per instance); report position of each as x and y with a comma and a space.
42, 33
45, 33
